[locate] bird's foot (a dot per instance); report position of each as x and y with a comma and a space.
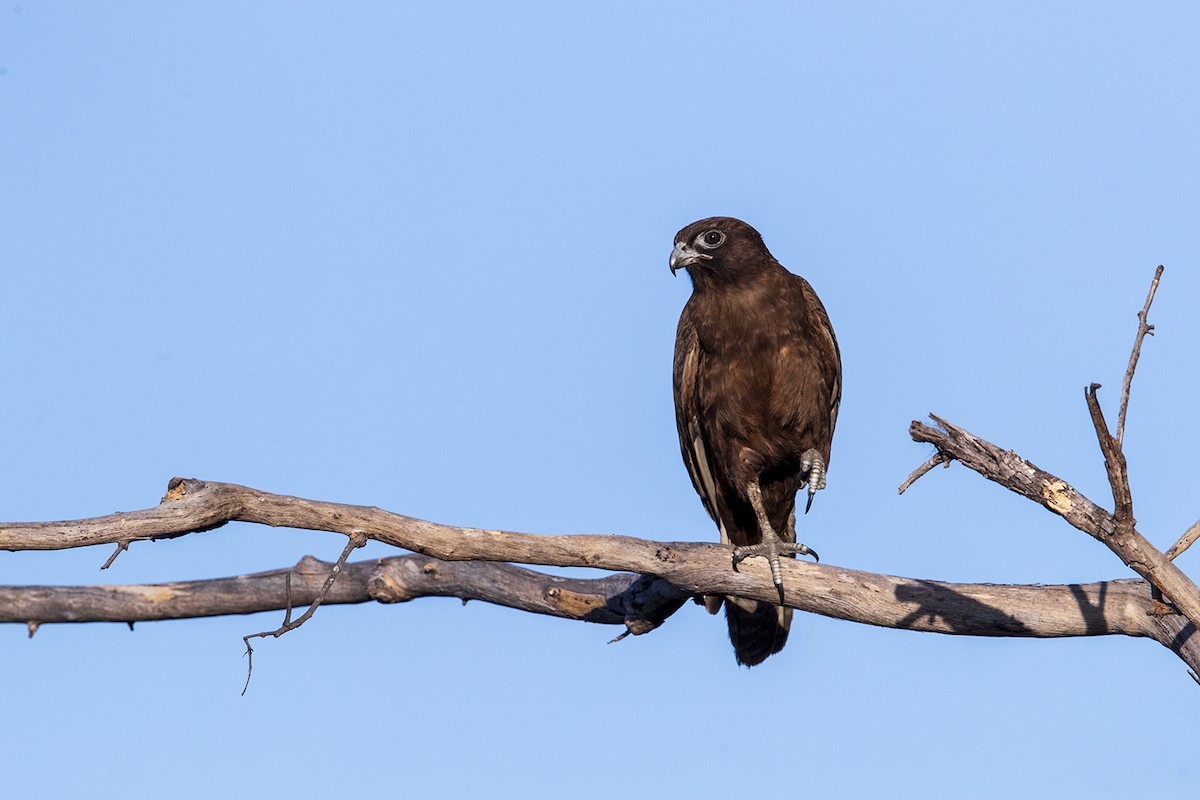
812, 468
771, 548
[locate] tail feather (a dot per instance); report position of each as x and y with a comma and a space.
756, 629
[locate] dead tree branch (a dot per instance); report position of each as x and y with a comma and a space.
1144, 328
916, 474
1114, 464
356, 540
1116, 530
1188, 538
638, 602
671, 572
1026, 479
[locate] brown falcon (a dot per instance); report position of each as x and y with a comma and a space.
757, 383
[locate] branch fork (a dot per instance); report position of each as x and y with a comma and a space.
1117, 530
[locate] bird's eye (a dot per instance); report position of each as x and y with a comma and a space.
711, 240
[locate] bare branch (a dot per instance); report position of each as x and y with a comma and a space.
639, 603
356, 540
670, 571
1187, 540
192, 505
1015, 474
195, 506
1018, 475
121, 548
1114, 464
916, 474
694, 568
1143, 328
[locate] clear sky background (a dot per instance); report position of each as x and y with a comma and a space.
415, 256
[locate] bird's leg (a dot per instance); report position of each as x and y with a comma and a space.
812, 467
771, 547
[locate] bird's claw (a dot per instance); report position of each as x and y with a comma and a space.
812, 468
771, 549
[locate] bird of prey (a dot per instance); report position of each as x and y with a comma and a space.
757, 382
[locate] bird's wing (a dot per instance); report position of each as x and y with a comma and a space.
831, 357
687, 421
691, 438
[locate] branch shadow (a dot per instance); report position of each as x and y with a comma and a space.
956, 611
1183, 638
1093, 613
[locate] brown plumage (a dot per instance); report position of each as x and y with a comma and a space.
757, 384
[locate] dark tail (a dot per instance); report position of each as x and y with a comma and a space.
756, 629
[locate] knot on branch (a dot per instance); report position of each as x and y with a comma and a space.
393, 580
179, 488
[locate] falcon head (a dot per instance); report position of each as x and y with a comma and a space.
717, 245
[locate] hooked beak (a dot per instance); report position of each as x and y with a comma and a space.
683, 256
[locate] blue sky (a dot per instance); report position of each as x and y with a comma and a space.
415, 256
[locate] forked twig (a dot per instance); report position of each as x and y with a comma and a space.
357, 539
1143, 329
1110, 445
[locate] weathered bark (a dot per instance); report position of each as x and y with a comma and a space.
676, 570
639, 602
1018, 475
1113, 607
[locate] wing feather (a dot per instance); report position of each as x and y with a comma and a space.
687, 420
830, 356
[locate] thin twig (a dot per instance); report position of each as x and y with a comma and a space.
121, 548
916, 474
357, 539
1143, 329
1187, 540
